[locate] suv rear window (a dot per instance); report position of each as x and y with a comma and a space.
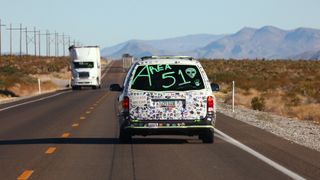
167, 77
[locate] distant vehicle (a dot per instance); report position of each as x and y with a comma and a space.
127, 60
85, 67
166, 95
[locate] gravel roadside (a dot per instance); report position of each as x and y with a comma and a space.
306, 133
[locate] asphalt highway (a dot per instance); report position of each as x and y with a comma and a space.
74, 135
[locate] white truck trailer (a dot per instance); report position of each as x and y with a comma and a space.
85, 67
127, 60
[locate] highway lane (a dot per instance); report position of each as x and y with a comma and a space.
32, 145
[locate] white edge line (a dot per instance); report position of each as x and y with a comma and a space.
28, 102
263, 158
220, 135
108, 68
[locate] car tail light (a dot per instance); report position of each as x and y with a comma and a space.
210, 104
125, 103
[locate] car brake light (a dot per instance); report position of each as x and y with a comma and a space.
125, 103
210, 103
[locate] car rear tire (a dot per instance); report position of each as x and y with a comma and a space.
125, 137
207, 137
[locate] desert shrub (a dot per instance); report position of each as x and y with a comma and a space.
35, 65
299, 81
17, 70
2, 84
228, 98
295, 101
258, 103
8, 70
10, 75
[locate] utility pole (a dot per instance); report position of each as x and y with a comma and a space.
27, 41
55, 44
34, 40
10, 39
21, 39
64, 43
39, 41
48, 42
20, 29
64, 50
0, 38
57, 41
54, 40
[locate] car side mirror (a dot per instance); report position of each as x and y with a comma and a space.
215, 87
115, 87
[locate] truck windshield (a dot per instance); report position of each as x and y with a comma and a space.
79, 65
167, 77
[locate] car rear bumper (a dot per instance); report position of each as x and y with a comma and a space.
172, 130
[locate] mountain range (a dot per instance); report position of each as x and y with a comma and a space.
267, 42
168, 46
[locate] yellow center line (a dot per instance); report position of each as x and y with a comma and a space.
100, 99
88, 112
82, 117
65, 135
51, 150
75, 125
25, 175
91, 108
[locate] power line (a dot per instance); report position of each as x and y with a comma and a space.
19, 29
58, 40
34, 39
26, 31
39, 43
47, 34
64, 48
56, 45
10, 39
64, 42
1, 37
48, 42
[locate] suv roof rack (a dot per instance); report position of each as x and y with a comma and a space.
167, 57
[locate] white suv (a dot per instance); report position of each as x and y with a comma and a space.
166, 95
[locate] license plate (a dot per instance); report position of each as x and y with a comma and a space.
167, 103
153, 125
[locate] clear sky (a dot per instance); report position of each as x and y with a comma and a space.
106, 22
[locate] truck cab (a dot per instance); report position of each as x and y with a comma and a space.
85, 67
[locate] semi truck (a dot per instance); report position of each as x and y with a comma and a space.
127, 60
85, 67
